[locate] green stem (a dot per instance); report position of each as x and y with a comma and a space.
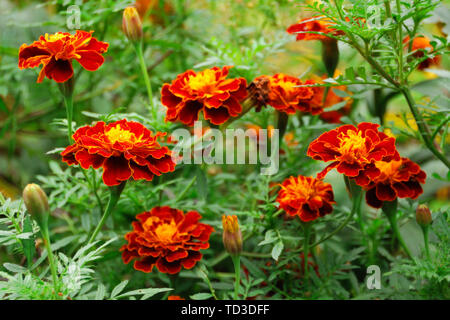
237, 274
393, 221
307, 233
51, 259
68, 101
425, 240
423, 128
183, 193
113, 199
148, 85
93, 186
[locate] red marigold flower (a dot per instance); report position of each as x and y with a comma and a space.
394, 179
124, 149
167, 238
316, 24
352, 148
306, 197
284, 93
56, 52
208, 91
419, 46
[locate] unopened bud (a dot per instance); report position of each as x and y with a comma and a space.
232, 236
36, 202
423, 215
131, 24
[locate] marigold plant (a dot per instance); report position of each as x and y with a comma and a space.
306, 197
318, 24
393, 179
285, 93
56, 52
124, 149
209, 91
351, 148
166, 238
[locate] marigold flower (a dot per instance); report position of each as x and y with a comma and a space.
394, 179
232, 236
124, 149
208, 91
351, 148
419, 46
56, 52
307, 197
167, 238
284, 93
316, 24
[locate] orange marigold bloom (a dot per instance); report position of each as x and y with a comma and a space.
419, 45
175, 298
306, 197
393, 179
167, 238
284, 93
124, 149
56, 52
208, 91
316, 24
352, 148
317, 106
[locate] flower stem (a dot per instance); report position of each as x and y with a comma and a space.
425, 240
237, 274
423, 128
390, 210
51, 259
68, 101
307, 233
113, 199
148, 85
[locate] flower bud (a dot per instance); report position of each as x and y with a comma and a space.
232, 236
131, 24
36, 202
423, 215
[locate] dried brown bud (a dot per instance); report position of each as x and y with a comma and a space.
232, 236
36, 202
258, 92
423, 215
132, 25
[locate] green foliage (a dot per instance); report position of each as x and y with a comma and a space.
379, 71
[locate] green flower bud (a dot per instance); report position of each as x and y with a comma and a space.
423, 215
36, 202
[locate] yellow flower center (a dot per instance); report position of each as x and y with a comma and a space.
203, 81
165, 232
298, 189
388, 169
352, 146
288, 86
117, 134
54, 37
